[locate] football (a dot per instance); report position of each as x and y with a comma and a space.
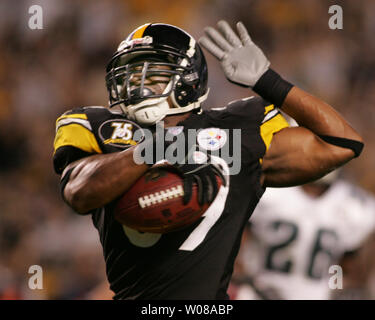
154, 204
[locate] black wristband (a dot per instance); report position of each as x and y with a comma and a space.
354, 145
272, 87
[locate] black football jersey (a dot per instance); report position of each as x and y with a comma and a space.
196, 262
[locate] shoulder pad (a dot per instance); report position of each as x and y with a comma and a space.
85, 109
74, 129
252, 112
244, 107
81, 115
246, 110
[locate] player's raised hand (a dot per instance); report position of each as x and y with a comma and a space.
242, 61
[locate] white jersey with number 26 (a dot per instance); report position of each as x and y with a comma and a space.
296, 238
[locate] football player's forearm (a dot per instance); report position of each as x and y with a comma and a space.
317, 116
98, 180
244, 63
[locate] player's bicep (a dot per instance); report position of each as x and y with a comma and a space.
297, 156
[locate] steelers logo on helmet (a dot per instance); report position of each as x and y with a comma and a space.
154, 63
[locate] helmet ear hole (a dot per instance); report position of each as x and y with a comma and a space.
184, 95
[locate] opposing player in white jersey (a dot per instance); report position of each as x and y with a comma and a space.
296, 234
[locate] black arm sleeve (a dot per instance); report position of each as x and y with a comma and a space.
354, 145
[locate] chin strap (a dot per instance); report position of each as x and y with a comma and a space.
150, 111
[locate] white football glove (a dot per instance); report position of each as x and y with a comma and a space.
242, 61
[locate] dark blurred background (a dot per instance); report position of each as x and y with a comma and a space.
46, 72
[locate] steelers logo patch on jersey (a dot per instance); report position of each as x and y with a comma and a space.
212, 138
120, 133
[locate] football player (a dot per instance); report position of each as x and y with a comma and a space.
159, 73
295, 236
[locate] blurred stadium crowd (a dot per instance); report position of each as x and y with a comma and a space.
46, 72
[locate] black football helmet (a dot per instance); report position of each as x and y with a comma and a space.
165, 52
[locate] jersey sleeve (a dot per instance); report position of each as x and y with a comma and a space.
74, 139
272, 123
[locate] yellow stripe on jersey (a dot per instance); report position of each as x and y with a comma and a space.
78, 136
74, 115
270, 127
268, 108
139, 32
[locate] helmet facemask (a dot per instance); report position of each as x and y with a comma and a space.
130, 79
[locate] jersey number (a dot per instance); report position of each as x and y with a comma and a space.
270, 263
320, 250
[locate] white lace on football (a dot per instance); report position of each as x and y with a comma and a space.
160, 196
